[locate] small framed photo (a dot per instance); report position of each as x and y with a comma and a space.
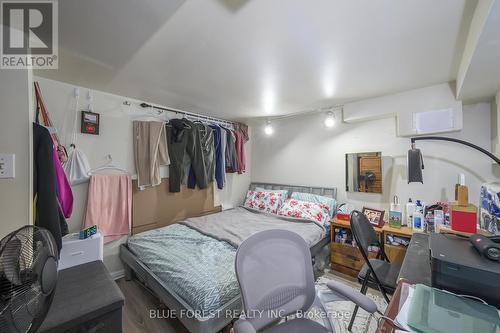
395, 219
90, 123
376, 217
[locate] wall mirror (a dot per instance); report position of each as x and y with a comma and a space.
364, 172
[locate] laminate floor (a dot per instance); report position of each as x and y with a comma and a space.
136, 312
139, 302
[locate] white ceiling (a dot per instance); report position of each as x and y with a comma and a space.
240, 59
482, 79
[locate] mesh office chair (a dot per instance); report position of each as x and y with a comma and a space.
275, 274
376, 273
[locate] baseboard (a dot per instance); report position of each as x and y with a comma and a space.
117, 274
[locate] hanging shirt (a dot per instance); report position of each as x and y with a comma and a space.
223, 145
231, 157
64, 192
240, 150
219, 157
244, 130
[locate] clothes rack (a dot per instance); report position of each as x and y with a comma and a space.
191, 115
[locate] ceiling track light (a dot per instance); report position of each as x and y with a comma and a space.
329, 122
330, 119
268, 129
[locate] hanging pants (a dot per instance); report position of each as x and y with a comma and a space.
206, 136
182, 139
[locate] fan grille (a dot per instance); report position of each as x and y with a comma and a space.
23, 253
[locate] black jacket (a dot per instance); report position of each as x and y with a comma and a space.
48, 214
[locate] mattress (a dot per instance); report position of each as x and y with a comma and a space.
198, 268
197, 263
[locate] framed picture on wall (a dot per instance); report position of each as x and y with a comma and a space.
375, 216
90, 123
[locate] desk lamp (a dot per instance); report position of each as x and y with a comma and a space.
416, 161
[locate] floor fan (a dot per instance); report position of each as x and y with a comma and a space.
28, 276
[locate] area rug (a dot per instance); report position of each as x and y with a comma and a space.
340, 312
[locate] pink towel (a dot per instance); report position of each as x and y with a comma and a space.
109, 205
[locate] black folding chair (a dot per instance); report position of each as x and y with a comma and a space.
376, 273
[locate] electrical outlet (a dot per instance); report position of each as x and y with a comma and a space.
7, 165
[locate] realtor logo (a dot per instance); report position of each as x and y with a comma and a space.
29, 34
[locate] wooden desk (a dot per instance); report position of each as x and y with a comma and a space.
403, 231
346, 224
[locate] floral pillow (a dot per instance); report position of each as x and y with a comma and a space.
319, 199
266, 201
311, 211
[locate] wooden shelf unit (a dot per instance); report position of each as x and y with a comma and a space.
396, 254
347, 259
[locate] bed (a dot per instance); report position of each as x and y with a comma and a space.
189, 265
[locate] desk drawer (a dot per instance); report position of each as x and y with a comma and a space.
349, 256
346, 255
396, 254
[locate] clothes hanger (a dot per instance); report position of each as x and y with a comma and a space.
186, 126
203, 129
107, 166
144, 117
149, 115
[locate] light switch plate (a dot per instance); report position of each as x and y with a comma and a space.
7, 166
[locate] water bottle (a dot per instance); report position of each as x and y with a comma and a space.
429, 222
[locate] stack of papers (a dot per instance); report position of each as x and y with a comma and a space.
402, 317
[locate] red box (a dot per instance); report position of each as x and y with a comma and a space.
344, 217
464, 218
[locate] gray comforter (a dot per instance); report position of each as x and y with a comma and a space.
236, 225
195, 258
197, 268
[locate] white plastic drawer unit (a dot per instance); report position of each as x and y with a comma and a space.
77, 251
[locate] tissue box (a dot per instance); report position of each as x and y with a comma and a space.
77, 251
343, 217
463, 218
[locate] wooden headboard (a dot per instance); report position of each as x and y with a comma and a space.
156, 207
